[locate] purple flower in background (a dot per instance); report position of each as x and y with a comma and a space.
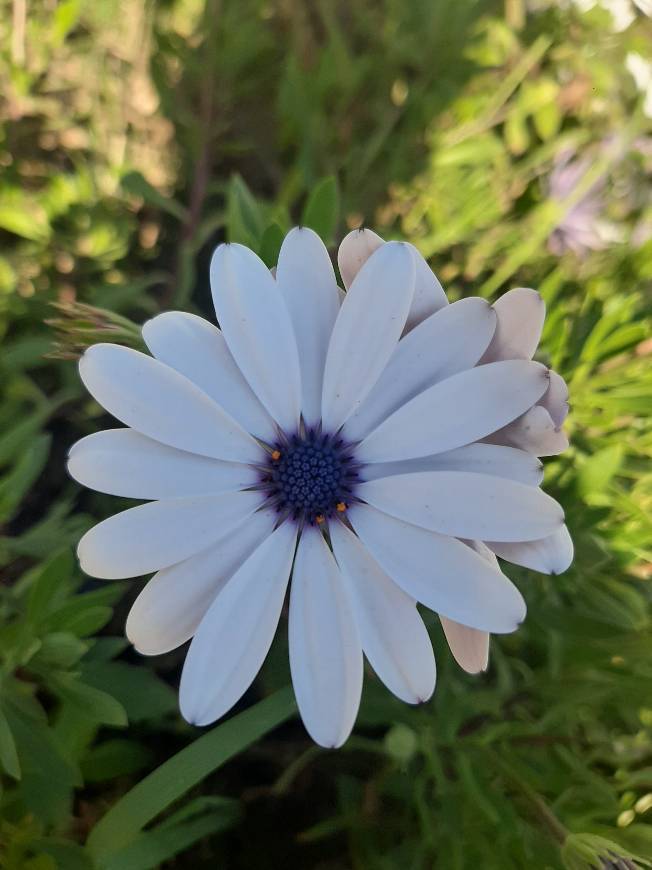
582, 228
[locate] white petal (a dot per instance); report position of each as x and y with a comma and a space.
457, 411
197, 349
159, 402
359, 245
466, 504
354, 251
366, 331
160, 533
171, 606
307, 282
325, 651
236, 633
393, 635
551, 555
535, 432
256, 324
441, 572
555, 399
123, 462
521, 313
469, 646
493, 459
448, 342
429, 295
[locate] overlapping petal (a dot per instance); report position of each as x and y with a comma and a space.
159, 402
198, 350
306, 280
359, 245
236, 633
169, 609
367, 329
325, 651
466, 504
155, 535
446, 343
256, 324
520, 315
441, 572
534, 432
494, 459
469, 646
393, 635
550, 555
464, 408
123, 462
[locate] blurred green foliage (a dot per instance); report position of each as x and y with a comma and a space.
510, 143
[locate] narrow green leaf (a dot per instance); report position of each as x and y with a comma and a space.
8, 752
136, 184
244, 219
321, 212
150, 849
14, 486
126, 819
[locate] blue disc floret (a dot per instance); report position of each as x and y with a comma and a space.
310, 477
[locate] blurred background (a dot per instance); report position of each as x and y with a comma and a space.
512, 143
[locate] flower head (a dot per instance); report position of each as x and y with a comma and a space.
346, 440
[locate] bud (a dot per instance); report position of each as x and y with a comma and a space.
401, 743
589, 852
79, 326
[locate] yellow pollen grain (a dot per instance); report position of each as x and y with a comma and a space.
276, 455
340, 507
319, 519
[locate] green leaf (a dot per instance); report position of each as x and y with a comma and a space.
14, 486
126, 819
596, 473
321, 212
97, 705
48, 777
23, 216
80, 619
270, 245
136, 184
244, 218
150, 849
13, 439
65, 18
51, 583
547, 120
517, 136
114, 758
8, 751
142, 694
60, 649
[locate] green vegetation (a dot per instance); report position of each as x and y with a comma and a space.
510, 144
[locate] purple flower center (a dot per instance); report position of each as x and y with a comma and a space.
309, 478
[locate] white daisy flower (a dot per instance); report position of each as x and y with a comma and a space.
342, 441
